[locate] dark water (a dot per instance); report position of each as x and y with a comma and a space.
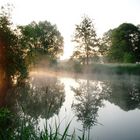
102, 107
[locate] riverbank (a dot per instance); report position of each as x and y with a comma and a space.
111, 69
94, 72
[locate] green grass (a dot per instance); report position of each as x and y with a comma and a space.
25, 129
102, 68
119, 69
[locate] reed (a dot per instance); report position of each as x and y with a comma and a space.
25, 129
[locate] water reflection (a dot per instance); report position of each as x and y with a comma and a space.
123, 92
88, 100
89, 97
42, 97
36, 99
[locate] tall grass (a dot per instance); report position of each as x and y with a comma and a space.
25, 129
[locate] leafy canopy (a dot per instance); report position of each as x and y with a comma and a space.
86, 41
124, 44
42, 38
11, 53
19, 46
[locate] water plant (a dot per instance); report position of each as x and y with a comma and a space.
25, 129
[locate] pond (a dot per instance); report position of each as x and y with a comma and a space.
101, 107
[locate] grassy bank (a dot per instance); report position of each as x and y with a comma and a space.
112, 69
131, 69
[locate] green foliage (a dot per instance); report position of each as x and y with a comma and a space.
41, 38
124, 44
105, 43
5, 124
12, 54
128, 58
86, 41
19, 48
25, 129
5, 117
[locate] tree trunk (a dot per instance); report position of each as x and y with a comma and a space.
87, 57
3, 78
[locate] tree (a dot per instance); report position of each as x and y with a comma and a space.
105, 43
42, 38
125, 44
86, 41
12, 62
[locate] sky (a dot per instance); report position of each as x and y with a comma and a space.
106, 14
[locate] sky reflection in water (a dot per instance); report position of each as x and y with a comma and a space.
105, 109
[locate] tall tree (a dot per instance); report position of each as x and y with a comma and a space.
125, 44
42, 38
11, 54
105, 43
86, 41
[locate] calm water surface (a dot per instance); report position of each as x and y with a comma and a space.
102, 107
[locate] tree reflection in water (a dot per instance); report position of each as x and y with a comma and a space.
43, 97
124, 92
42, 100
37, 99
88, 101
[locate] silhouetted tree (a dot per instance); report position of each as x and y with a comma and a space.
12, 62
42, 38
86, 41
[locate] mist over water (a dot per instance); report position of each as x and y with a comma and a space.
95, 94
104, 107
